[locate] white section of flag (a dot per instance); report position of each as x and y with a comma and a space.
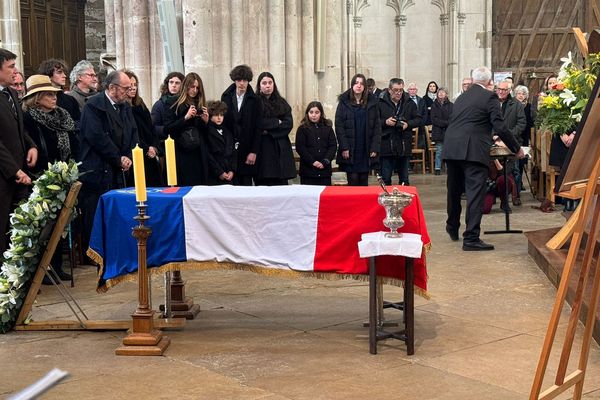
270, 226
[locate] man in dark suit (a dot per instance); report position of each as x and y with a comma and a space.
108, 133
17, 150
467, 143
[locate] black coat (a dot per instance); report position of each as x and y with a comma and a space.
192, 165
244, 125
345, 130
47, 142
148, 138
70, 104
221, 152
275, 156
469, 136
440, 118
394, 140
315, 142
105, 136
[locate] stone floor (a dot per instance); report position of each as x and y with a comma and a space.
257, 337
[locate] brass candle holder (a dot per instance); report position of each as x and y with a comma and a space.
143, 339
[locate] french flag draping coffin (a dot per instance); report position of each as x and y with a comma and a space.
301, 228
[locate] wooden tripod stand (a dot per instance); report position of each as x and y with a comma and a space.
589, 211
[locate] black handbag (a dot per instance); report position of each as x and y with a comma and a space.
190, 138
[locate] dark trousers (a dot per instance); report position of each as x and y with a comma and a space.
271, 182
243, 180
357, 178
10, 195
88, 201
470, 177
308, 180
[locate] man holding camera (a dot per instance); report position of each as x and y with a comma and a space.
398, 115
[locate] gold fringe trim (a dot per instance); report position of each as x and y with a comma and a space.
274, 272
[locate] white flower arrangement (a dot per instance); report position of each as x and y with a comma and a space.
28, 237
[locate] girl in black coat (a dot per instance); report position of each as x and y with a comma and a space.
186, 112
358, 131
275, 159
441, 110
316, 145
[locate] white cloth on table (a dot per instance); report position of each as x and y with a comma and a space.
377, 244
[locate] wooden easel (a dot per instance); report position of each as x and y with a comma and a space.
82, 323
590, 210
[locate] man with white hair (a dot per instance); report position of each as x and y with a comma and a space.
84, 82
476, 113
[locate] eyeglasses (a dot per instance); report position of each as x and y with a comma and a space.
125, 88
92, 75
502, 90
396, 90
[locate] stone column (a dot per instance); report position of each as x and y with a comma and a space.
453, 42
309, 79
276, 31
119, 33
136, 42
10, 25
445, 49
461, 54
198, 43
294, 43
400, 21
330, 82
236, 9
222, 61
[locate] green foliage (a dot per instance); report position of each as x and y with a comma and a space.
21, 259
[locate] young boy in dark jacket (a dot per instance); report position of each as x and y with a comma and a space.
221, 146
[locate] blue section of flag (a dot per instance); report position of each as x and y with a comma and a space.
113, 227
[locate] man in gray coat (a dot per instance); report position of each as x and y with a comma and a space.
467, 143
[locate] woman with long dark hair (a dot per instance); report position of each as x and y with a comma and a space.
170, 87
146, 134
275, 159
358, 131
186, 123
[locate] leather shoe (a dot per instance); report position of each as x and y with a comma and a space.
452, 233
479, 245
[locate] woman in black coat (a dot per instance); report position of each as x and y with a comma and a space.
53, 131
316, 145
358, 131
186, 123
147, 136
243, 120
275, 159
441, 110
429, 98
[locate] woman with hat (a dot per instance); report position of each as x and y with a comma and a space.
53, 131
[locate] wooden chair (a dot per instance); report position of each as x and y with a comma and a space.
418, 155
431, 147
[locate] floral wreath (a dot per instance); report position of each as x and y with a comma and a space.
30, 231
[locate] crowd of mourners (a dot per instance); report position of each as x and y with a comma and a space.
243, 138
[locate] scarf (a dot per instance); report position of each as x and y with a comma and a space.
60, 122
432, 96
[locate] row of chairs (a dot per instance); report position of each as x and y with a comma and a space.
418, 153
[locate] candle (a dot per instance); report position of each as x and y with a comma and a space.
139, 174
171, 165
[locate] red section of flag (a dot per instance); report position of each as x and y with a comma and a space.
345, 213
173, 189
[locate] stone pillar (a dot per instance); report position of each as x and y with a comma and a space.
10, 29
294, 42
237, 32
275, 30
309, 79
445, 49
400, 22
222, 55
330, 82
452, 42
198, 43
454, 88
136, 42
119, 33
109, 18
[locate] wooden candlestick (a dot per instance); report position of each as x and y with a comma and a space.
143, 339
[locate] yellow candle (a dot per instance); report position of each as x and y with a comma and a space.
138, 174
171, 165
